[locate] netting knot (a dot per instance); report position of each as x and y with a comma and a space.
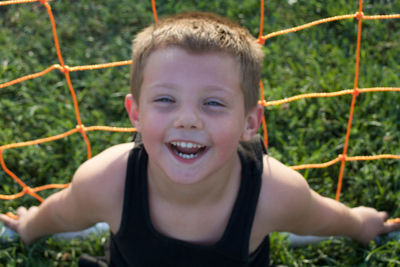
342, 157
356, 92
64, 69
261, 41
360, 15
81, 128
43, 1
27, 190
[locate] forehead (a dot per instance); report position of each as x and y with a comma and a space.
178, 65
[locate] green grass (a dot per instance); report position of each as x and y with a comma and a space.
320, 59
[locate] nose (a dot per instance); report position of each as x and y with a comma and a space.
188, 118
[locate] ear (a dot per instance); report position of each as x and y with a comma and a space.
132, 109
252, 123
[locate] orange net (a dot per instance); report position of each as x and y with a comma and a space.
82, 129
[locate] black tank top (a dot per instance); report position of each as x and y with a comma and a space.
138, 243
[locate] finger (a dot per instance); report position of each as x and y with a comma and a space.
384, 215
9, 222
21, 211
391, 226
2, 218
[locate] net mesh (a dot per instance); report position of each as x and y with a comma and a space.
82, 129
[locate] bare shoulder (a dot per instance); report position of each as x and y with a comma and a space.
104, 164
98, 184
283, 197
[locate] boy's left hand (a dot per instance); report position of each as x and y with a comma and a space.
372, 224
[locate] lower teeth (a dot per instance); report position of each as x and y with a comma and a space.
187, 156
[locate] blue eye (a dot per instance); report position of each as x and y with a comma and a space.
164, 100
214, 103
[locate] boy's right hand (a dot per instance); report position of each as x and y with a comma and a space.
20, 225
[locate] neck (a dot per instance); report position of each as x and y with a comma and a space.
210, 189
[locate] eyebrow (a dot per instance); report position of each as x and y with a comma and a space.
173, 86
162, 84
216, 88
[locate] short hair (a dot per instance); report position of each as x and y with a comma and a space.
201, 32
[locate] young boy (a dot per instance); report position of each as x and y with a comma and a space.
198, 190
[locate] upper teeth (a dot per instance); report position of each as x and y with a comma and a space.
187, 145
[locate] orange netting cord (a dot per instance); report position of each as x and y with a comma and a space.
342, 158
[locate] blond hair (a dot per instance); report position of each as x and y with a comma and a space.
201, 32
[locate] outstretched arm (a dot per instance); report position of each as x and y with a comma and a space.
95, 195
40, 221
300, 210
326, 217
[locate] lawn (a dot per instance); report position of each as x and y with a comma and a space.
319, 59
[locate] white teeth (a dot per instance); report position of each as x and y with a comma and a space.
186, 145
187, 156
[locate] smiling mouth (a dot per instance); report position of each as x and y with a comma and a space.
187, 150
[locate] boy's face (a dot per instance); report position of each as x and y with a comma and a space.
191, 113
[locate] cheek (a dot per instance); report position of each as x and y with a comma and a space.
152, 137
151, 128
152, 120
227, 135
230, 126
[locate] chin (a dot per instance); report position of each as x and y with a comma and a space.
185, 179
